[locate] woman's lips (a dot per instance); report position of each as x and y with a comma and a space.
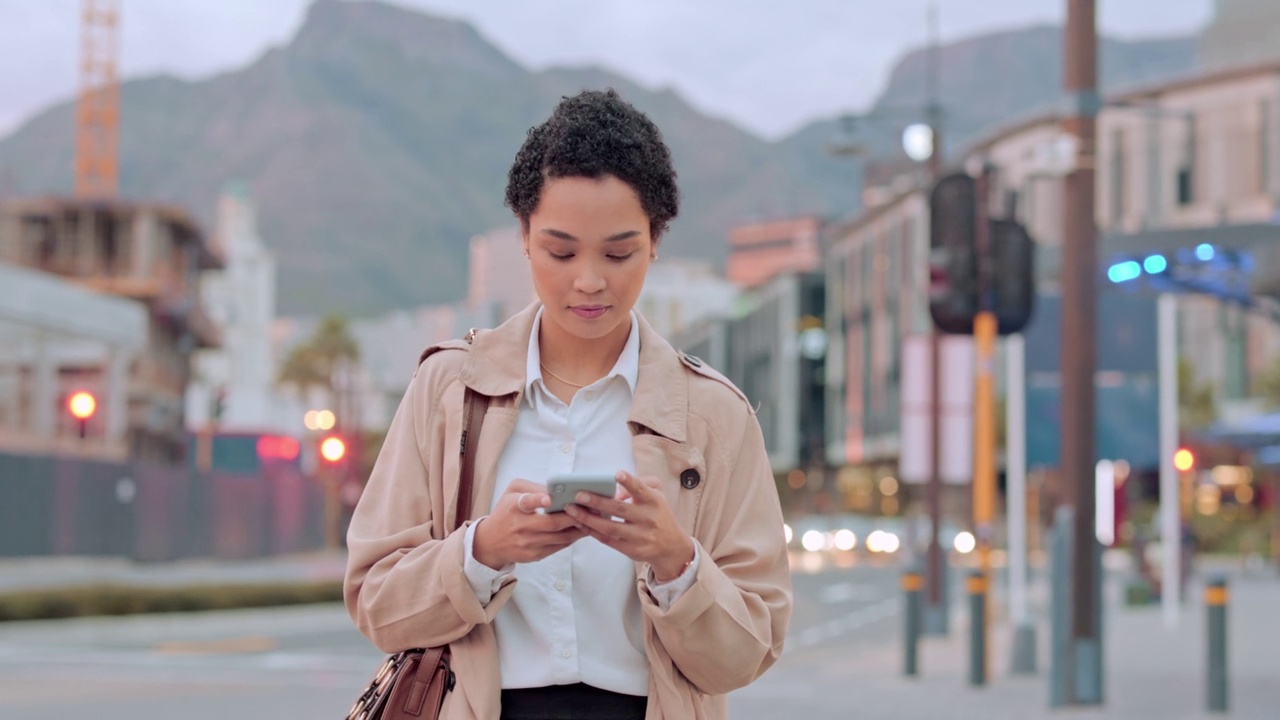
589, 312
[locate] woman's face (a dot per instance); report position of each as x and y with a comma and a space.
589, 248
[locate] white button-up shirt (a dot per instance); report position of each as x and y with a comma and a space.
574, 616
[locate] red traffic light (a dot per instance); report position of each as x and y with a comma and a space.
333, 449
1184, 460
82, 405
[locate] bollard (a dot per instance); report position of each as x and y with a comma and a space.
1215, 601
977, 588
912, 583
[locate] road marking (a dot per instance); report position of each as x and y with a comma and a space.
847, 591
860, 618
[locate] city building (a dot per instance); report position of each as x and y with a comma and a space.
58, 339
153, 254
1196, 161
499, 284
233, 388
679, 294
761, 251
775, 350
876, 279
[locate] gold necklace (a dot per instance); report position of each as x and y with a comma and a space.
547, 370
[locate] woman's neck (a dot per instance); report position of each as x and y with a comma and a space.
580, 360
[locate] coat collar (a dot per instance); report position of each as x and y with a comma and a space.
496, 367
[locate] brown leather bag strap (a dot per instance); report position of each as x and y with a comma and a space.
476, 406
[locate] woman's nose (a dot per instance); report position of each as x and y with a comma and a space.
589, 281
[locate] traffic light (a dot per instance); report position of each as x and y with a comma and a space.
333, 449
953, 260
82, 406
954, 264
1184, 460
1013, 275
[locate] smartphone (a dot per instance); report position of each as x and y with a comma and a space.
563, 488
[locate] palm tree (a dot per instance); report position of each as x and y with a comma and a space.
317, 361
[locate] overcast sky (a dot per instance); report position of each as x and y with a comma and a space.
769, 65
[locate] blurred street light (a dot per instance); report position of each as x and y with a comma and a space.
82, 406
333, 449
319, 420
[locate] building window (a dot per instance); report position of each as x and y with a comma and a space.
1264, 146
1186, 173
1117, 177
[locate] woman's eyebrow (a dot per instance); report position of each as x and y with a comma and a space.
625, 235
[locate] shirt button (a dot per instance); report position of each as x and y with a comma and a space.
566, 448
566, 653
560, 585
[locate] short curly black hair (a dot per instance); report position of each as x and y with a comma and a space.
593, 134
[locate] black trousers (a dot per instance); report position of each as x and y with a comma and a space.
571, 702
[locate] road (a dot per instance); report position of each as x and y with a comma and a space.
309, 662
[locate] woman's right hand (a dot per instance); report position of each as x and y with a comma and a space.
515, 532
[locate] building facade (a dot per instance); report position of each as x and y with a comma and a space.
1196, 161
775, 351
234, 385
761, 251
58, 339
152, 254
499, 283
876, 280
679, 294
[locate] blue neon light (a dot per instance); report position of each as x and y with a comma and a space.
1125, 271
1155, 264
1204, 251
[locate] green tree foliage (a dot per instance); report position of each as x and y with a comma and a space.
1197, 406
1267, 385
315, 363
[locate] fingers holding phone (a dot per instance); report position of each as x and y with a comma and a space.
517, 531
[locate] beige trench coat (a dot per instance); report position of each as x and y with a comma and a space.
405, 585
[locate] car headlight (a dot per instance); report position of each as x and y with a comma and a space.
812, 540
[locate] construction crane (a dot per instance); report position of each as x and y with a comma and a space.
98, 109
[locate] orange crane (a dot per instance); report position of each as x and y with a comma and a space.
97, 171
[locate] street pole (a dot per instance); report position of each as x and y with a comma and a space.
1024, 639
1170, 513
985, 329
935, 620
1079, 300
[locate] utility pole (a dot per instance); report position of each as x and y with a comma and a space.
935, 606
1079, 354
985, 329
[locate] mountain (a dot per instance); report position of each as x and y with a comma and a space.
987, 81
377, 141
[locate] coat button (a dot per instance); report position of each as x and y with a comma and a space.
690, 479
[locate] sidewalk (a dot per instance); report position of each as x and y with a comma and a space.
1150, 672
46, 573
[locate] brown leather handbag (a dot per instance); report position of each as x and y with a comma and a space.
411, 684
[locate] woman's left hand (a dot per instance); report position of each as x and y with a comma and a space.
646, 531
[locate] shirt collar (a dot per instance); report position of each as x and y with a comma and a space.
627, 366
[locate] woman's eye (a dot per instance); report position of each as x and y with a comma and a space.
561, 257
620, 258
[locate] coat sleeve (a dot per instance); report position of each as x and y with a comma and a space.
729, 627
404, 588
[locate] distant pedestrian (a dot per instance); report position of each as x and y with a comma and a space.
654, 603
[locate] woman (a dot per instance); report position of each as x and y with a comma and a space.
654, 603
